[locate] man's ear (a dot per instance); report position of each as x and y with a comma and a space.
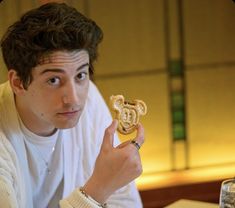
15, 82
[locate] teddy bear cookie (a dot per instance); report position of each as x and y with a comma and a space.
127, 113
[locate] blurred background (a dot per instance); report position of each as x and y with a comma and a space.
177, 56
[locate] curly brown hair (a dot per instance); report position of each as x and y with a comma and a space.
41, 31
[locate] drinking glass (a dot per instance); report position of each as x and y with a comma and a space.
227, 194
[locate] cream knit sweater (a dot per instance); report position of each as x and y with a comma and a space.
81, 147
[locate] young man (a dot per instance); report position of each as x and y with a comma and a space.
58, 146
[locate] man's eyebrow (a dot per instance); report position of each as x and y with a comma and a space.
62, 70
82, 66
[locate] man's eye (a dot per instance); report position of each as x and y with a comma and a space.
54, 81
82, 76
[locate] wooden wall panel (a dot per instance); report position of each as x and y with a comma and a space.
133, 35
209, 31
211, 115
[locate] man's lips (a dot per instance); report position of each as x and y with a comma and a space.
68, 113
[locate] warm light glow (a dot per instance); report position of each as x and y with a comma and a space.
195, 175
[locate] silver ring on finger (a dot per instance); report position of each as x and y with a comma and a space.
136, 144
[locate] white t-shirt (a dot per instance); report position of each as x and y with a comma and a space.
45, 156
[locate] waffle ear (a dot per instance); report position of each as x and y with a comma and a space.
141, 107
117, 102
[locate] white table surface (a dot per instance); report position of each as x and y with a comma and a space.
185, 203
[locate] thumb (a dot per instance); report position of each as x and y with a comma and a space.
109, 135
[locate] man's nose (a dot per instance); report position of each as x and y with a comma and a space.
70, 94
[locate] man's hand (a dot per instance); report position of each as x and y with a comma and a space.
115, 167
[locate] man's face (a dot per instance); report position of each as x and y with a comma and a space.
56, 96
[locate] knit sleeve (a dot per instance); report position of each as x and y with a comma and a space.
78, 200
8, 177
7, 196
